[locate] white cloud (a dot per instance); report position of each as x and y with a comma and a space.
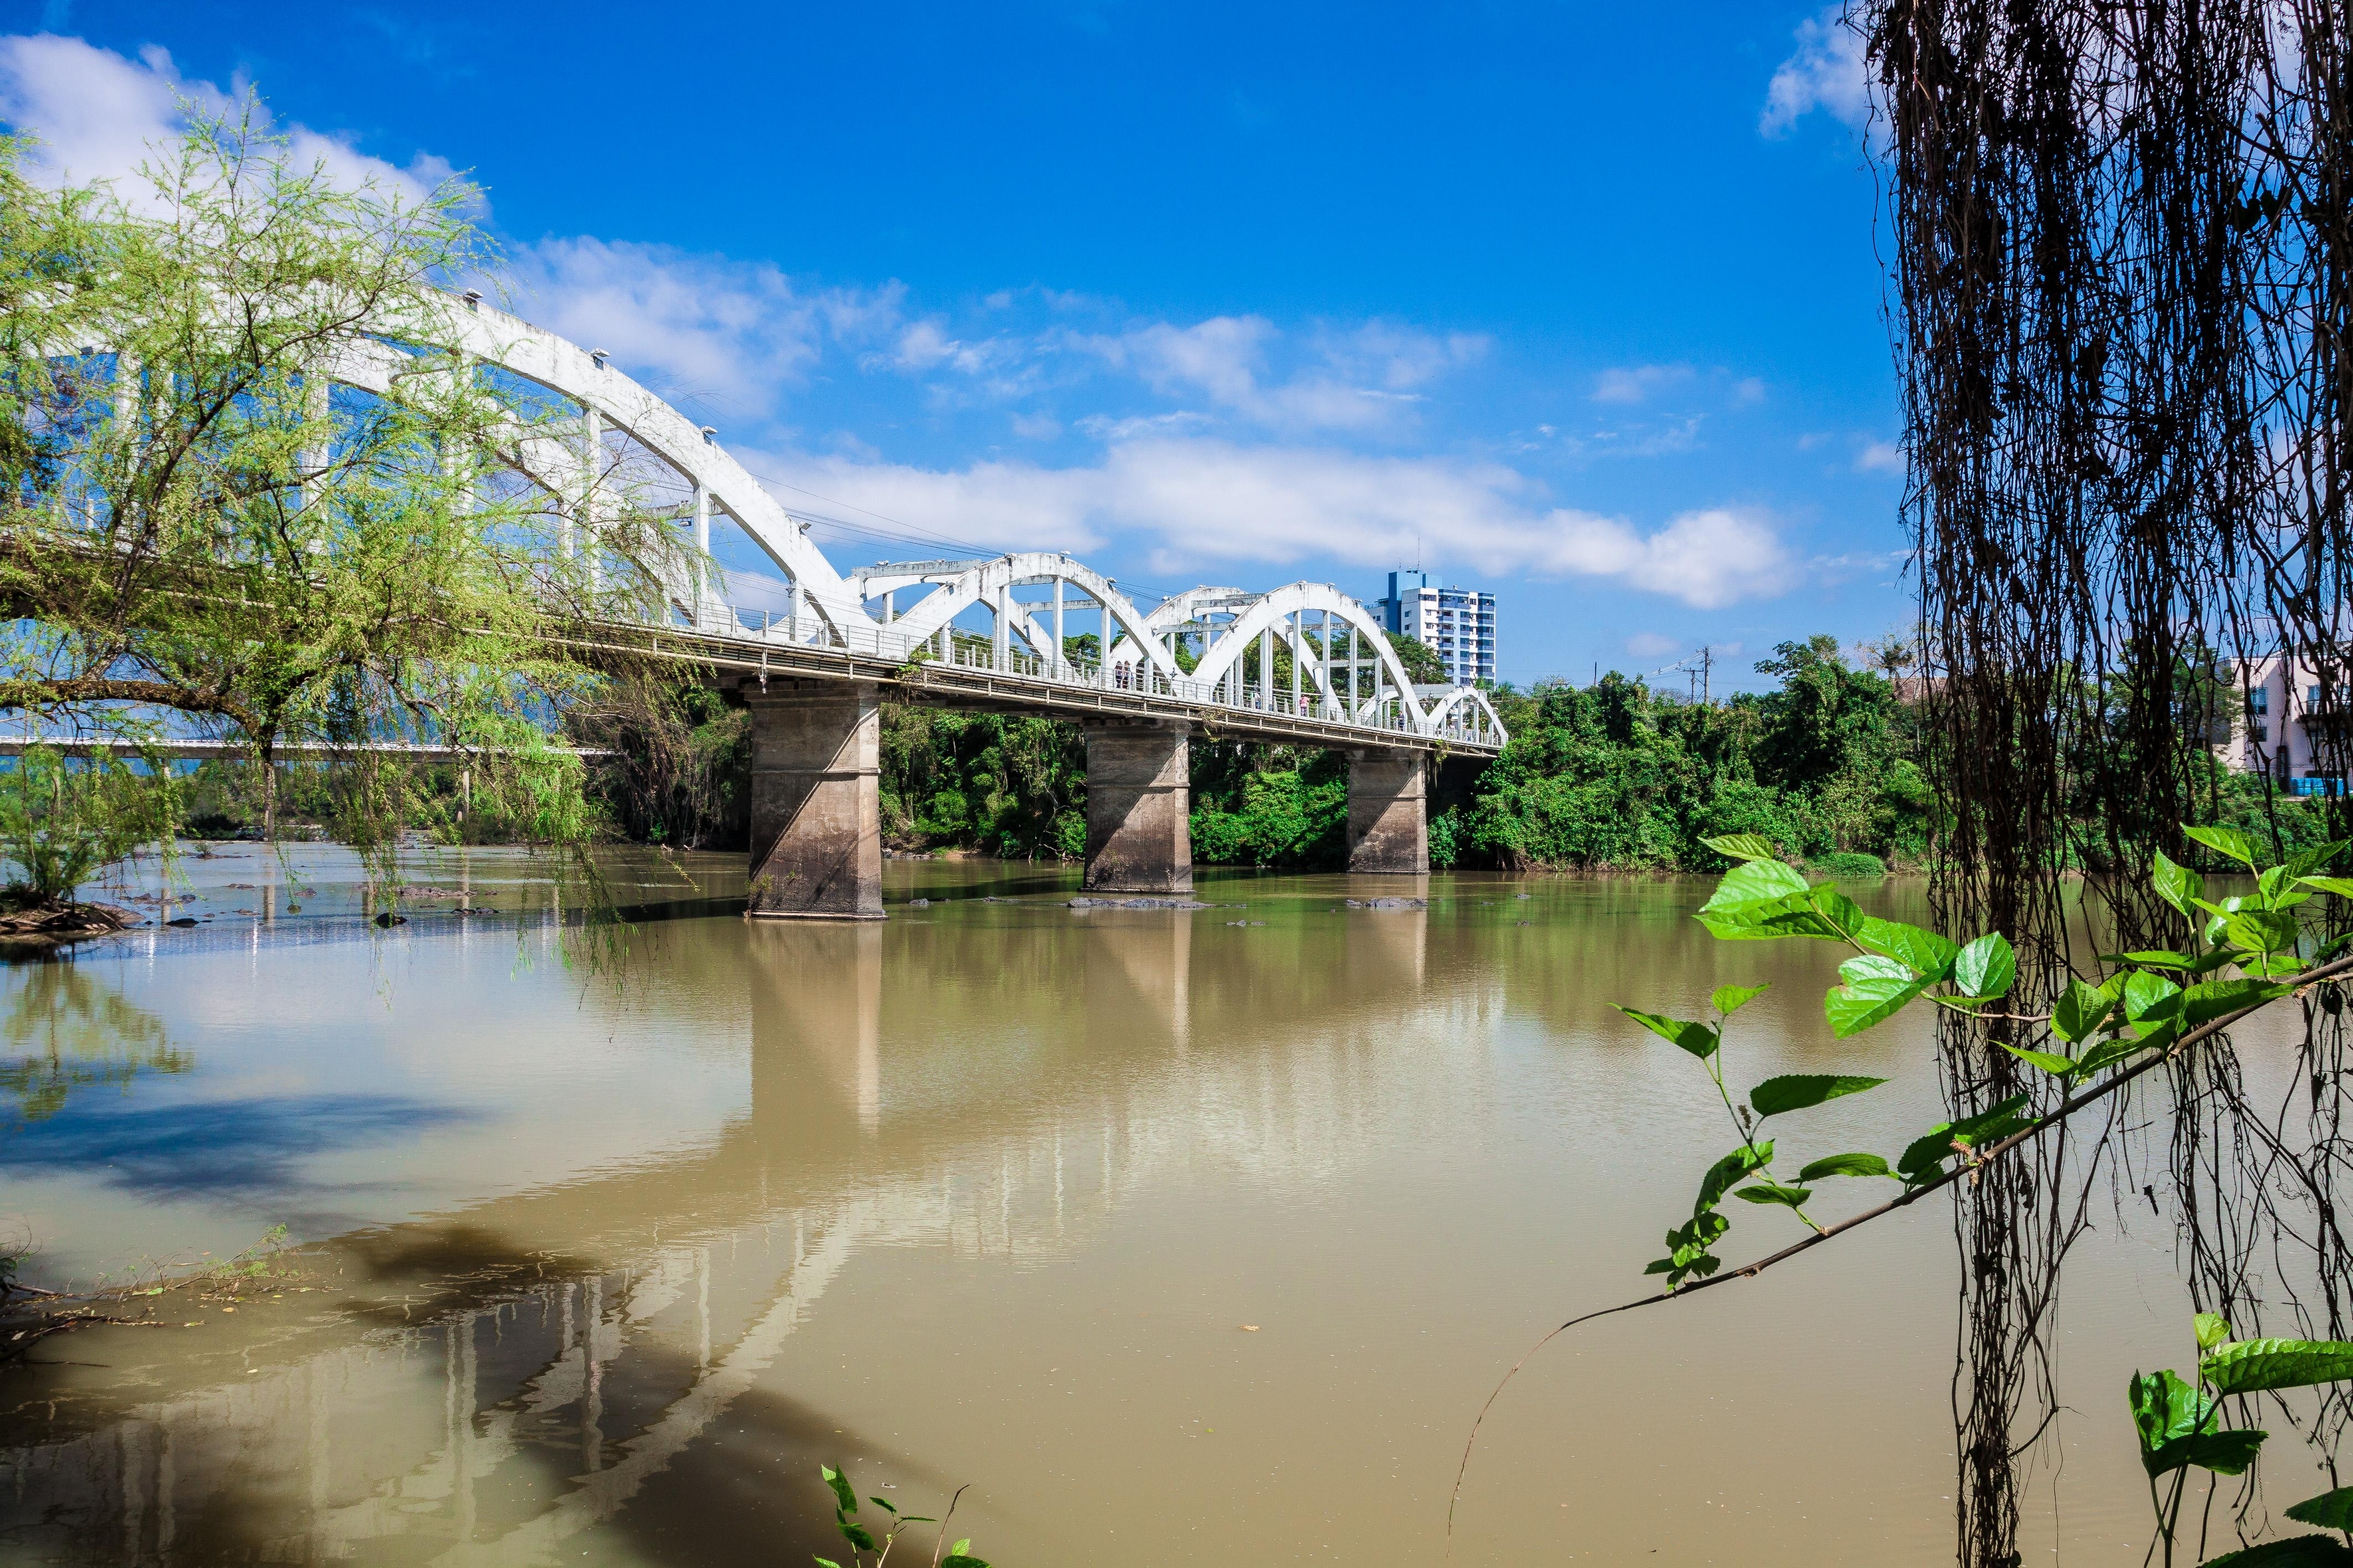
1650, 645
1202, 501
1880, 458
702, 329
1220, 357
1638, 383
1362, 378
1399, 358
100, 116
1826, 71
1004, 505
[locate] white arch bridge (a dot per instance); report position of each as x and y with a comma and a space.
1028, 632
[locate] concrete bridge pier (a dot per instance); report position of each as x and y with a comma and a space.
1139, 810
1388, 821
816, 822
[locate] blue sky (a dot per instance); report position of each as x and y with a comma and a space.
1580, 304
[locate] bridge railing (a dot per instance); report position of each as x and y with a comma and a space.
1389, 713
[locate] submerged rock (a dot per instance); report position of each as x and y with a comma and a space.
1137, 904
1388, 903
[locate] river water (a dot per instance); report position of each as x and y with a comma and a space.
1180, 1236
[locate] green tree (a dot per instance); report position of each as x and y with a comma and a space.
1422, 665
62, 819
266, 506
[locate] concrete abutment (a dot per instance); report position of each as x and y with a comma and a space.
1388, 820
1139, 810
817, 822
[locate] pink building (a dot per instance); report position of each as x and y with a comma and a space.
2278, 732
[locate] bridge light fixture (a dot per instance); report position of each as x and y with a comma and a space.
600, 356
472, 297
710, 435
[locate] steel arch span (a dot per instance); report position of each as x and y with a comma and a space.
1369, 689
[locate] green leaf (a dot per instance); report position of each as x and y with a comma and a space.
1742, 846
2160, 960
961, 1547
1871, 967
1774, 1193
1926, 952
2280, 888
2080, 1011
1756, 882
1845, 1166
1697, 1038
2108, 1053
884, 1504
2340, 886
2295, 1551
2224, 841
1987, 966
1727, 1173
1763, 899
2330, 1510
2304, 861
856, 1534
841, 1485
1792, 916
2261, 930
1875, 988
1730, 999
1927, 1154
2164, 1407
2214, 998
2226, 1452
2176, 885
1798, 1091
2149, 996
2211, 1329
1835, 907
827, 1562
958, 1560
2056, 1066
2250, 1366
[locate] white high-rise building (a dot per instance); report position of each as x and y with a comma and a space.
1458, 622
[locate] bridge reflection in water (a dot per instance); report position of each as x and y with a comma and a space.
584, 1369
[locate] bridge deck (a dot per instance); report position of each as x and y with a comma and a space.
972, 677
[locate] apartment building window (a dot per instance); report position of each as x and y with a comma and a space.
2259, 700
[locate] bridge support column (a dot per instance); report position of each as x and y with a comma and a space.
1139, 810
817, 826
1389, 821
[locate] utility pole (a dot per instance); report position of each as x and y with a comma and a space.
1706, 667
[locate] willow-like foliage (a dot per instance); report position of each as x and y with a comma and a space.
244, 493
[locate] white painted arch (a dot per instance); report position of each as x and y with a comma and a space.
609, 397
956, 586
487, 333
1278, 613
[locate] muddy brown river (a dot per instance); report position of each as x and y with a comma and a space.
1182, 1238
